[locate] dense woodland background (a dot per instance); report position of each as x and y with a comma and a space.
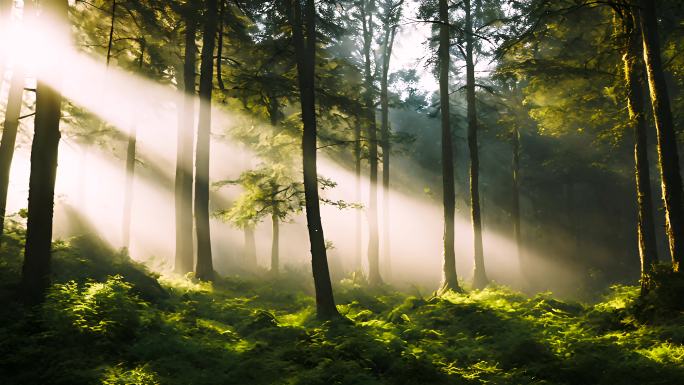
483, 191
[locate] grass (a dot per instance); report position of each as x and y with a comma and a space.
118, 328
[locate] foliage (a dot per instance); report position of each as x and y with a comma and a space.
103, 309
234, 331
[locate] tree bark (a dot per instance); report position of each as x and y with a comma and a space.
374, 278
219, 50
5, 12
667, 141
517, 233
449, 194
184, 156
250, 255
130, 170
275, 244
9, 138
306, 59
390, 32
479, 275
633, 72
37, 253
111, 32
357, 194
204, 268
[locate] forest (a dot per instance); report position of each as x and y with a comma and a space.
341, 192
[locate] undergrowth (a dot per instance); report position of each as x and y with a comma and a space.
113, 327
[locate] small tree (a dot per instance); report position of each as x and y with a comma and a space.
269, 190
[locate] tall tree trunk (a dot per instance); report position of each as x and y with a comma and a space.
306, 59
204, 268
37, 253
130, 169
374, 278
184, 156
449, 193
633, 71
517, 234
219, 49
274, 114
667, 140
5, 21
390, 32
250, 256
275, 244
479, 276
357, 193
111, 32
9, 138
128, 193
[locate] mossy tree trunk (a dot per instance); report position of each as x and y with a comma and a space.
668, 157
633, 72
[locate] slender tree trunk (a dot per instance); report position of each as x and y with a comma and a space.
667, 140
374, 278
274, 114
204, 268
219, 49
357, 194
633, 71
275, 245
390, 32
9, 138
517, 234
128, 194
184, 156
5, 21
479, 276
37, 253
111, 32
130, 170
250, 255
306, 59
449, 193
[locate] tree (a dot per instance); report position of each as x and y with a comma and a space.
449, 194
668, 157
184, 153
633, 75
269, 191
9, 136
305, 49
130, 168
204, 268
479, 276
37, 253
390, 18
367, 10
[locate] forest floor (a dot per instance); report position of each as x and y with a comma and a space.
106, 321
